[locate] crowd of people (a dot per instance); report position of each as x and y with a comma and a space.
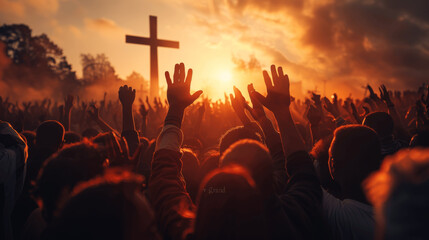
272, 168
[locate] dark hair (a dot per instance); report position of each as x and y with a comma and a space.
63, 170
107, 207
230, 206
190, 169
209, 163
235, 134
254, 156
50, 135
320, 153
380, 122
354, 154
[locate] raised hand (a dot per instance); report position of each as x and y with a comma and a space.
278, 95
384, 95
314, 115
316, 99
178, 91
238, 102
330, 107
372, 95
257, 111
143, 110
127, 95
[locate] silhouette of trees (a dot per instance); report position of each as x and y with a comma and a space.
98, 69
35, 60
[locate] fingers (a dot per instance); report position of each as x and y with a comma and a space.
274, 74
250, 90
176, 73
231, 97
189, 77
182, 72
238, 94
260, 98
280, 71
267, 80
196, 95
167, 78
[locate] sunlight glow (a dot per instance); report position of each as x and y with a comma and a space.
225, 76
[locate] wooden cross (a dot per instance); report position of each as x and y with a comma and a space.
154, 43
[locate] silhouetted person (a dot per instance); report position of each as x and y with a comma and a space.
60, 174
235, 134
399, 192
108, 207
49, 139
382, 124
354, 154
13, 156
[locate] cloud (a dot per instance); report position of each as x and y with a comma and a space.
20, 8
104, 26
43, 6
337, 41
14, 8
75, 31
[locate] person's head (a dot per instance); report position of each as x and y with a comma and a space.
114, 147
90, 133
190, 170
229, 206
380, 122
353, 155
399, 192
235, 134
63, 170
71, 137
194, 144
210, 162
420, 139
254, 156
320, 153
107, 207
50, 135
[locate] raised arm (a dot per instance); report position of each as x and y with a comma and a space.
303, 195
237, 103
278, 101
272, 139
126, 97
173, 206
94, 114
401, 130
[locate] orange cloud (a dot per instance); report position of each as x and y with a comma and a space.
343, 43
13, 8
43, 6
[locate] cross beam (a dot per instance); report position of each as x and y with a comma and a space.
154, 43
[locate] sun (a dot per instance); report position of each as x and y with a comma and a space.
225, 76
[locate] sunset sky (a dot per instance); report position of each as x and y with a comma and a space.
343, 43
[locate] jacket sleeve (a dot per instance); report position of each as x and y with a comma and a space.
302, 199
174, 208
13, 151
